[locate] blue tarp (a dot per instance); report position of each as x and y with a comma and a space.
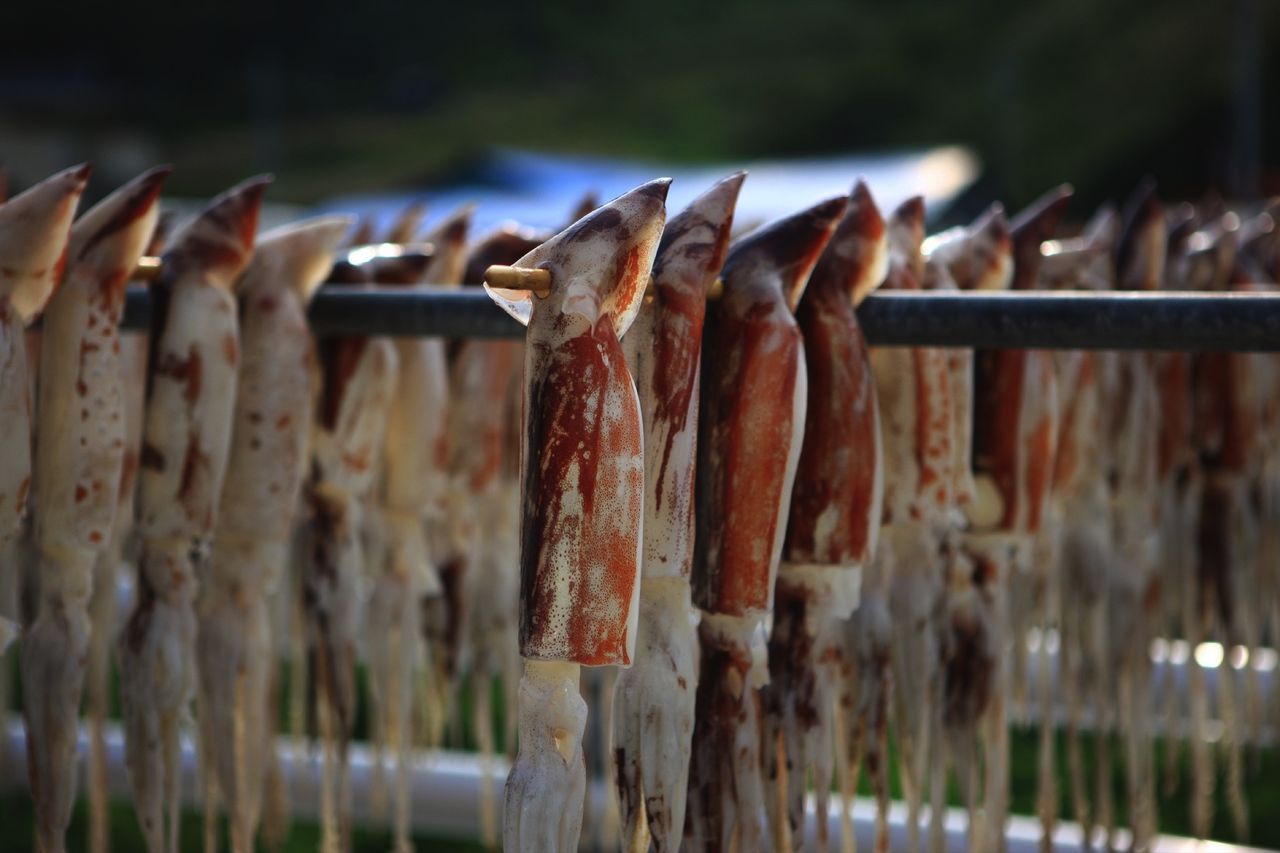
540, 190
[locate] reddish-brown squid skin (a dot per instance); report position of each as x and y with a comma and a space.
835, 512
582, 498
753, 403
903, 586
582, 486
752, 424
836, 501
1015, 409
1015, 423
654, 699
591, 415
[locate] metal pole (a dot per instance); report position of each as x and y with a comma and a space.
1023, 320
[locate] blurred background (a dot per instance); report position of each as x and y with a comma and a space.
361, 102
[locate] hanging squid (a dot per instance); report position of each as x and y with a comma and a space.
753, 406
582, 496
195, 353
902, 592
414, 531
1015, 437
977, 257
654, 702
484, 464
1132, 413
79, 460
1077, 514
1256, 267
265, 469
406, 226
1193, 259
34, 230
358, 382
104, 605
835, 512
1227, 419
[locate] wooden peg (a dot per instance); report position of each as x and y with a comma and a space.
537, 281
716, 290
148, 268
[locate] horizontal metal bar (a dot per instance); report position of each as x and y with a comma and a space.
1069, 320
1022, 320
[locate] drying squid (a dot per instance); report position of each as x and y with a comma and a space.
79, 460
363, 232
1132, 412
977, 257
103, 606
582, 495
1077, 513
358, 384
449, 530
1015, 436
259, 498
1227, 418
406, 226
906, 581
34, 230
1187, 267
413, 493
654, 699
484, 462
186, 439
1255, 269
835, 512
753, 405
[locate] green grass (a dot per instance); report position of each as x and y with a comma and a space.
1262, 786
18, 821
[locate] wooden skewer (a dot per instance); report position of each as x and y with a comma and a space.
537, 281
148, 268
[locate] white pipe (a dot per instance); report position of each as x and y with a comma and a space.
444, 789
1169, 659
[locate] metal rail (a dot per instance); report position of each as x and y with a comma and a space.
1022, 320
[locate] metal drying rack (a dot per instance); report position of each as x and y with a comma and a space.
446, 789
1122, 320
